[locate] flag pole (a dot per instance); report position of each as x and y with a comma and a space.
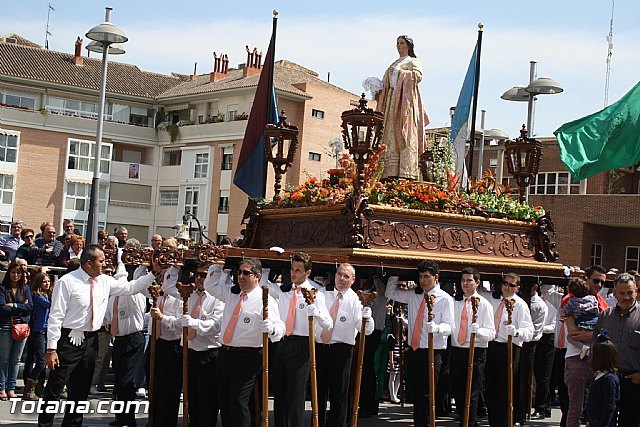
474, 108
270, 91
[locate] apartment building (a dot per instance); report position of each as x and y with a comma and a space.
170, 142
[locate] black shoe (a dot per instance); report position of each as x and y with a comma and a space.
538, 416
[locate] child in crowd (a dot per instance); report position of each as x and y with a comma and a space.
582, 307
604, 391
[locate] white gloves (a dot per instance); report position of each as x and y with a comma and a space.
432, 328
312, 310
510, 330
268, 327
187, 321
76, 337
473, 328
366, 313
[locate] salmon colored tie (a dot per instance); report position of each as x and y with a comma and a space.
497, 316
464, 322
156, 324
417, 327
231, 326
114, 317
291, 313
328, 333
92, 282
195, 313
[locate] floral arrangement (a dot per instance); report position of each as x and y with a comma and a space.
485, 197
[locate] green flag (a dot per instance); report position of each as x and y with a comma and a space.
608, 139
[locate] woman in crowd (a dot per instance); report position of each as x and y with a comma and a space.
37, 342
76, 243
15, 308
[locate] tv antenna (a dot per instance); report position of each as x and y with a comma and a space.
609, 54
47, 32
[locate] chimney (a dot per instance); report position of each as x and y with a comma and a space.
78, 59
195, 71
220, 67
254, 63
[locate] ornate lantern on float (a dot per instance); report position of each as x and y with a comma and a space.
279, 138
362, 134
523, 159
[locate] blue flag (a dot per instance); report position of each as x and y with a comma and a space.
461, 121
252, 163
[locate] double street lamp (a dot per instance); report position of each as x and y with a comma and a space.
105, 38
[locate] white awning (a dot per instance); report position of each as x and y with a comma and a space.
176, 107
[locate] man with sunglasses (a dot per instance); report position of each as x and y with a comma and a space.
521, 330
622, 324
28, 251
242, 329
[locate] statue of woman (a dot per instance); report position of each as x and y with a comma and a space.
404, 117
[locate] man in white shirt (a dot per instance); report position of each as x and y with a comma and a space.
521, 330
543, 364
203, 321
441, 327
240, 358
125, 315
334, 346
291, 366
78, 307
485, 331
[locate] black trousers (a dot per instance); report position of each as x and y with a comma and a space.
369, 389
291, 376
496, 383
542, 368
629, 404
458, 374
127, 359
203, 388
333, 372
521, 381
76, 371
168, 382
418, 382
237, 371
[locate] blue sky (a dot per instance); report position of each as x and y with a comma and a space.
355, 39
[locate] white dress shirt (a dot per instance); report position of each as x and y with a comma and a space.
538, 309
131, 311
520, 318
550, 320
171, 310
442, 312
486, 329
348, 318
248, 332
554, 298
301, 323
71, 305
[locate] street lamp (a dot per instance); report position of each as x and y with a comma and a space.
105, 36
523, 159
540, 86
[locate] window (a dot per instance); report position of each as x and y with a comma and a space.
6, 189
493, 163
169, 196
220, 238
82, 153
191, 200
232, 112
227, 162
632, 258
314, 157
201, 168
318, 114
74, 107
172, 158
77, 198
20, 101
8, 148
554, 183
596, 254
223, 203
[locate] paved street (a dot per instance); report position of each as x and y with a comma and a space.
390, 414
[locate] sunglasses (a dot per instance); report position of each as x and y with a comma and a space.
511, 285
30, 236
598, 281
201, 274
245, 273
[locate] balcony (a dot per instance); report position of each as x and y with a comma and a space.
222, 131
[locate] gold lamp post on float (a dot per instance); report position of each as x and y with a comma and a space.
362, 133
523, 159
277, 138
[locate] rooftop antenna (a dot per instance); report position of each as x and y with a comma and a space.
47, 32
609, 54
